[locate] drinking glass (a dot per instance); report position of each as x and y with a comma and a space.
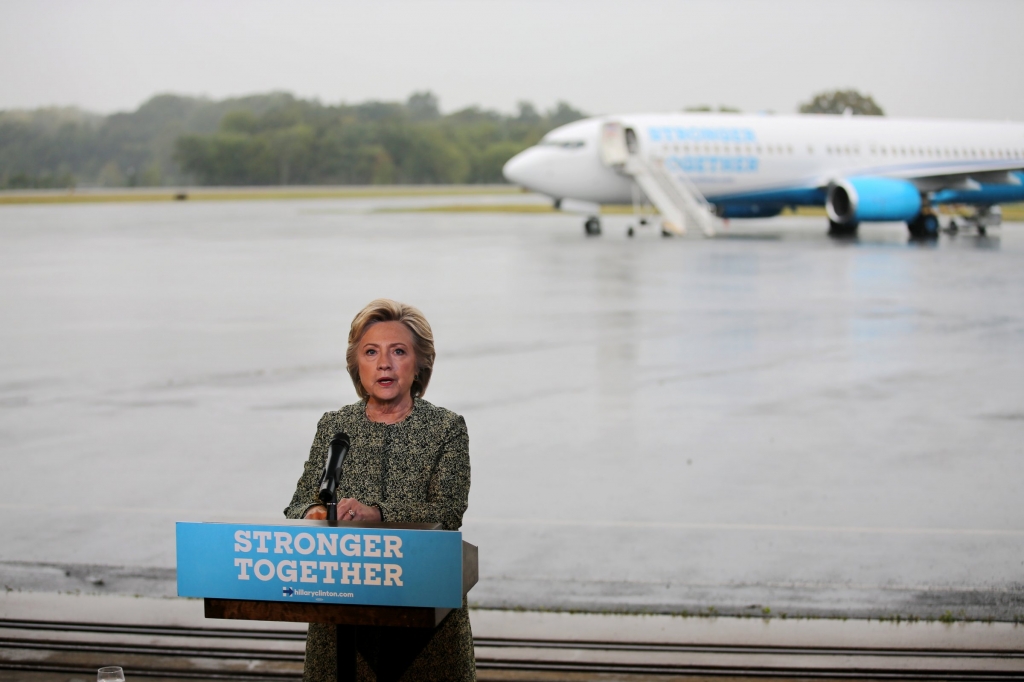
111, 673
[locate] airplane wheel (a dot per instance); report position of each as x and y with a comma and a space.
925, 226
629, 231
666, 233
842, 230
592, 227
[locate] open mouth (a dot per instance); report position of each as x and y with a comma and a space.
386, 382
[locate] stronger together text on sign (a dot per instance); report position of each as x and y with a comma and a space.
320, 548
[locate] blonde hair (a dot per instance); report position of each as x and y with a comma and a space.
386, 310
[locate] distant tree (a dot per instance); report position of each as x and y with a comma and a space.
244, 122
563, 113
527, 113
112, 176
838, 101
486, 166
423, 106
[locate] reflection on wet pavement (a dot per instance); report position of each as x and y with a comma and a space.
672, 425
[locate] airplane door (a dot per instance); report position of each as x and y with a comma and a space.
614, 144
631, 143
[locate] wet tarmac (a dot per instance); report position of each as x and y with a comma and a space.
768, 422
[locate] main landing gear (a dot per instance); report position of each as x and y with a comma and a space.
924, 227
592, 226
980, 219
842, 230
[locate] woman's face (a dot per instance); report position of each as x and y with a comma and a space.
387, 361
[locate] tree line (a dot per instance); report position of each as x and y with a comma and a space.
267, 140
278, 139
303, 142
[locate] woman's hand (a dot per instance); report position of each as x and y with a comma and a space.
350, 509
317, 512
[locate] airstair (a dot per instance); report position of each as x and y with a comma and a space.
677, 199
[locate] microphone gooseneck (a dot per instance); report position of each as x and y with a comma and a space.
332, 473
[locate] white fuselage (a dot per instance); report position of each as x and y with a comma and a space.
737, 157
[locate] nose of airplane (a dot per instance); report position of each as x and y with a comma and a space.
524, 168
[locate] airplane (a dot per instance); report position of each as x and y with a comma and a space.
699, 168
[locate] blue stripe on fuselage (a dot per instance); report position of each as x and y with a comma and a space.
793, 196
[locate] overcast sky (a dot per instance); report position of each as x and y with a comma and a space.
936, 58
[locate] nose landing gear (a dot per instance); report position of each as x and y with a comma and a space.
592, 226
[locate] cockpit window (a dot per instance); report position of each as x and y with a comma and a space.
564, 144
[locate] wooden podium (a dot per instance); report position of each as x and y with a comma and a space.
347, 617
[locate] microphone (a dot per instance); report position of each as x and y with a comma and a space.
332, 472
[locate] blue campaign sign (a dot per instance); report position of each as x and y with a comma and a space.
313, 563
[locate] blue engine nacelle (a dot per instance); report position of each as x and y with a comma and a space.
868, 199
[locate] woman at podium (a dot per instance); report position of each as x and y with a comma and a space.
408, 462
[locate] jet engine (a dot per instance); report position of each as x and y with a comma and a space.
866, 199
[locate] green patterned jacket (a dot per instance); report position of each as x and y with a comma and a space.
414, 471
